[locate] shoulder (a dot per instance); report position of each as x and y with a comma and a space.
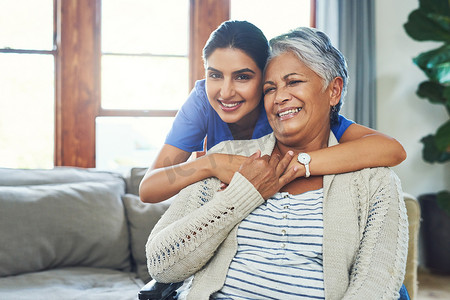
200, 89
197, 103
371, 178
367, 183
343, 121
342, 125
378, 187
380, 175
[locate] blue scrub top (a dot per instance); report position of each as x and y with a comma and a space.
197, 119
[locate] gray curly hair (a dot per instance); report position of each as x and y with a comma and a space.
314, 49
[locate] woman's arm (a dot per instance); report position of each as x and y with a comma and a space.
152, 188
379, 267
195, 225
200, 218
374, 149
171, 172
360, 147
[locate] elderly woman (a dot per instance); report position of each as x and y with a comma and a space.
270, 235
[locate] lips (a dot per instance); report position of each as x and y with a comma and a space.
288, 113
230, 106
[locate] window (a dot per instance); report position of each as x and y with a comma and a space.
273, 17
87, 106
26, 84
144, 70
151, 73
94, 83
142, 65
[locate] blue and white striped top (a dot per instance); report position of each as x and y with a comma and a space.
279, 252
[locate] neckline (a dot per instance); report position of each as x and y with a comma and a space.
307, 192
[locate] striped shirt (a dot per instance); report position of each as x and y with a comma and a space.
279, 252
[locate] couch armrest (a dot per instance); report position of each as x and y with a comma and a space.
413, 211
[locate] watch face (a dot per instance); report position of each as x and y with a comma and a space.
304, 158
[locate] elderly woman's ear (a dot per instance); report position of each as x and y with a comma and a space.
335, 87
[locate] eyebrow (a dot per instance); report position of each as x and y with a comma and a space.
287, 75
284, 78
235, 72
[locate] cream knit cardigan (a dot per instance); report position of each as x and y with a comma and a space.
365, 231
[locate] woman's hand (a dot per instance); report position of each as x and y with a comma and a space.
268, 174
223, 166
300, 169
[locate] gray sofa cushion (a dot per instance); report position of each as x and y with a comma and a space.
69, 224
79, 283
142, 217
134, 179
16, 177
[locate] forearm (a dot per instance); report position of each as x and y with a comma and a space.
366, 152
163, 183
195, 225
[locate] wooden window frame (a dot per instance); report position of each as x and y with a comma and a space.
77, 76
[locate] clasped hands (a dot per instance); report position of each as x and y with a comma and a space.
268, 174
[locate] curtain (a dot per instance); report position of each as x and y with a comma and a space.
350, 24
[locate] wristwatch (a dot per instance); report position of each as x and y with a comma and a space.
305, 159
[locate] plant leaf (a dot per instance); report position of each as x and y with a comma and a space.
431, 21
446, 95
423, 27
443, 200
435, 6
431, 152
443, 72
442, 137
443, 21
433, 91
435, 63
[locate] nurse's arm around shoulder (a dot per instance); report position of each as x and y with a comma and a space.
171, 172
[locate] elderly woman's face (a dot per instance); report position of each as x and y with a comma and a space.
296, 102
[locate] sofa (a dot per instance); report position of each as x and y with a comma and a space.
71, 233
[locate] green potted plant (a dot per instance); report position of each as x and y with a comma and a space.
431, 22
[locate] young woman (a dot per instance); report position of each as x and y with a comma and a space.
228, 106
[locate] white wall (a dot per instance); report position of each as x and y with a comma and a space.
401, 113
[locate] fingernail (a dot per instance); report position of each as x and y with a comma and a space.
290, 152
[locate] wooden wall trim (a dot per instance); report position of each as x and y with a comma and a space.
205, 16
77, 71
313, 5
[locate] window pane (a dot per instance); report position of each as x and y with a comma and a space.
145, 26
26, 24
144, 82
266, 14
125, 142
26, 111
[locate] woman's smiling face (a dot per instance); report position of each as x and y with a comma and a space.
233, 84
296, 102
